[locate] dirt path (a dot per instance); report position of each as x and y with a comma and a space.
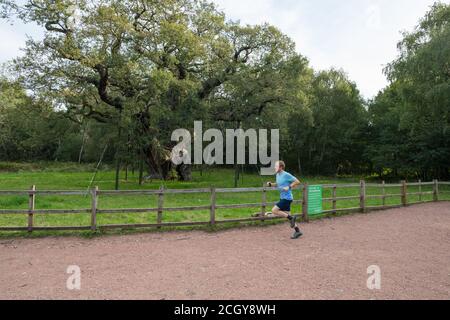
410, 245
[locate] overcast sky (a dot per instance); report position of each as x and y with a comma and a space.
359, 36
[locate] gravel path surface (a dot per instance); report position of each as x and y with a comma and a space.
410, 245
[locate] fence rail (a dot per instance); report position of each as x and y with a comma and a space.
95, 193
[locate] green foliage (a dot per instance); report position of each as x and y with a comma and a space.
416, 125
331, 138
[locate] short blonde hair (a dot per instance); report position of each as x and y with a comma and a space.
281, 164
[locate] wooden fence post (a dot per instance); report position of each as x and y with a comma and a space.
212, 211
383, 197
94, 209
31, 205
420, 190
160, 205
264, 201
334, 199
403, 193
435, 190
362, 196
305, 203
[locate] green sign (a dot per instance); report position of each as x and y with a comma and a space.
314, 200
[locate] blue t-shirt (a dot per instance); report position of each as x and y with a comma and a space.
284, 179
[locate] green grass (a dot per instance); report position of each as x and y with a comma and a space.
50, 176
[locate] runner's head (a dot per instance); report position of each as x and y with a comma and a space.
279, 166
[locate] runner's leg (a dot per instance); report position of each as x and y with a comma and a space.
278, 212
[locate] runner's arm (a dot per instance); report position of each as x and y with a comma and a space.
295, 183
292, 185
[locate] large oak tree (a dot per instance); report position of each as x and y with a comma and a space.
151, 66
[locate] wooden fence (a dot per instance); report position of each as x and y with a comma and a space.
94, 210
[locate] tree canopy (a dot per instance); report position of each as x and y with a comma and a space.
127, 73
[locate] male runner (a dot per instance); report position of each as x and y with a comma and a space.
285, 182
